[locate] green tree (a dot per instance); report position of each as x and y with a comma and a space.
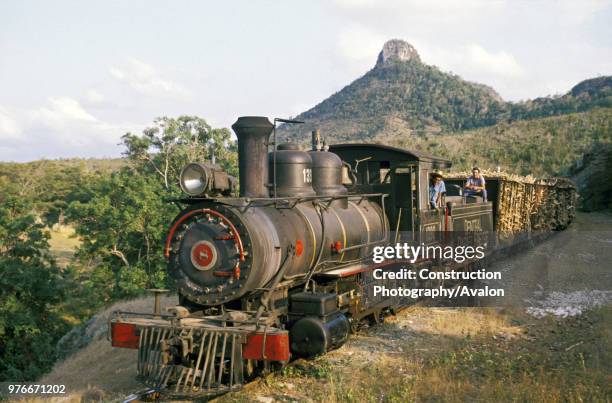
55, 188
122, 226
166, 147
30, 288
50, 185
122, 218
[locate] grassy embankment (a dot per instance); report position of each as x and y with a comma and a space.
456, 355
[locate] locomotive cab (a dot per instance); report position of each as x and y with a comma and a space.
405, 176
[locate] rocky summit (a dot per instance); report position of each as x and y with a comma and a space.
397, 50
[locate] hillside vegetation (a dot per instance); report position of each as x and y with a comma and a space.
423, 96
402, 96
593, 176
540, 147
53, 184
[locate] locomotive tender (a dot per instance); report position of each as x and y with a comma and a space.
285, 269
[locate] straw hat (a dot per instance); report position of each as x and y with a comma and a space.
437, 172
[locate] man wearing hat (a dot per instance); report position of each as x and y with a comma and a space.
436, 189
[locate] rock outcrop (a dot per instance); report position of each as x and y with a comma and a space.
397, 50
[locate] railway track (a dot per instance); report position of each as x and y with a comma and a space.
144, 395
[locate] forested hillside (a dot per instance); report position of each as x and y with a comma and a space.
541, 147
593, 177
402, 96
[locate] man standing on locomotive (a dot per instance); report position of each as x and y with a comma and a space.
437, 189
475, 185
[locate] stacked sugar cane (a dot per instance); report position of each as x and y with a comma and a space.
527, 204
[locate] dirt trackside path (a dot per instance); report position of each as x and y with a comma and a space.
572, 268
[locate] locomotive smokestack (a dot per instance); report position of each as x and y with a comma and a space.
316, 140
253, 133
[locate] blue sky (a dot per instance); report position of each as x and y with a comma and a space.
76, 75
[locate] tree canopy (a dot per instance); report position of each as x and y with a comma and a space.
122, 217
166, 147
29, 289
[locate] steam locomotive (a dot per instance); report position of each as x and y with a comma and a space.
284, 270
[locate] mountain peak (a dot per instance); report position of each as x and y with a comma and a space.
397, 50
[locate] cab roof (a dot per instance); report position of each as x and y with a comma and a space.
389, 153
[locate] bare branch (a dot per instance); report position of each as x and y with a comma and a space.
120, 255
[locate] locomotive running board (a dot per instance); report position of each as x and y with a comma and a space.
344, 271
357, 268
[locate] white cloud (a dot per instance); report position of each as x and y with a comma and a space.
63, 110
574, 12
68, 123
358, 43
358, 47
432, 5
60, 128
499, 63
94, 97
419, 10
9, 128
355, 3
472, 61
145, 79
90, 124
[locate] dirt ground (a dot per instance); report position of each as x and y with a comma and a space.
547, 340
574, 264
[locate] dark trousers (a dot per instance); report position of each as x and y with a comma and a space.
470, 192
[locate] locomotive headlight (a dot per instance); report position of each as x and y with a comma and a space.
195, 179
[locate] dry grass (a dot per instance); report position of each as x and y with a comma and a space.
459, 322
422, 354
63, 244
454, 355
98, 365
100, 372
